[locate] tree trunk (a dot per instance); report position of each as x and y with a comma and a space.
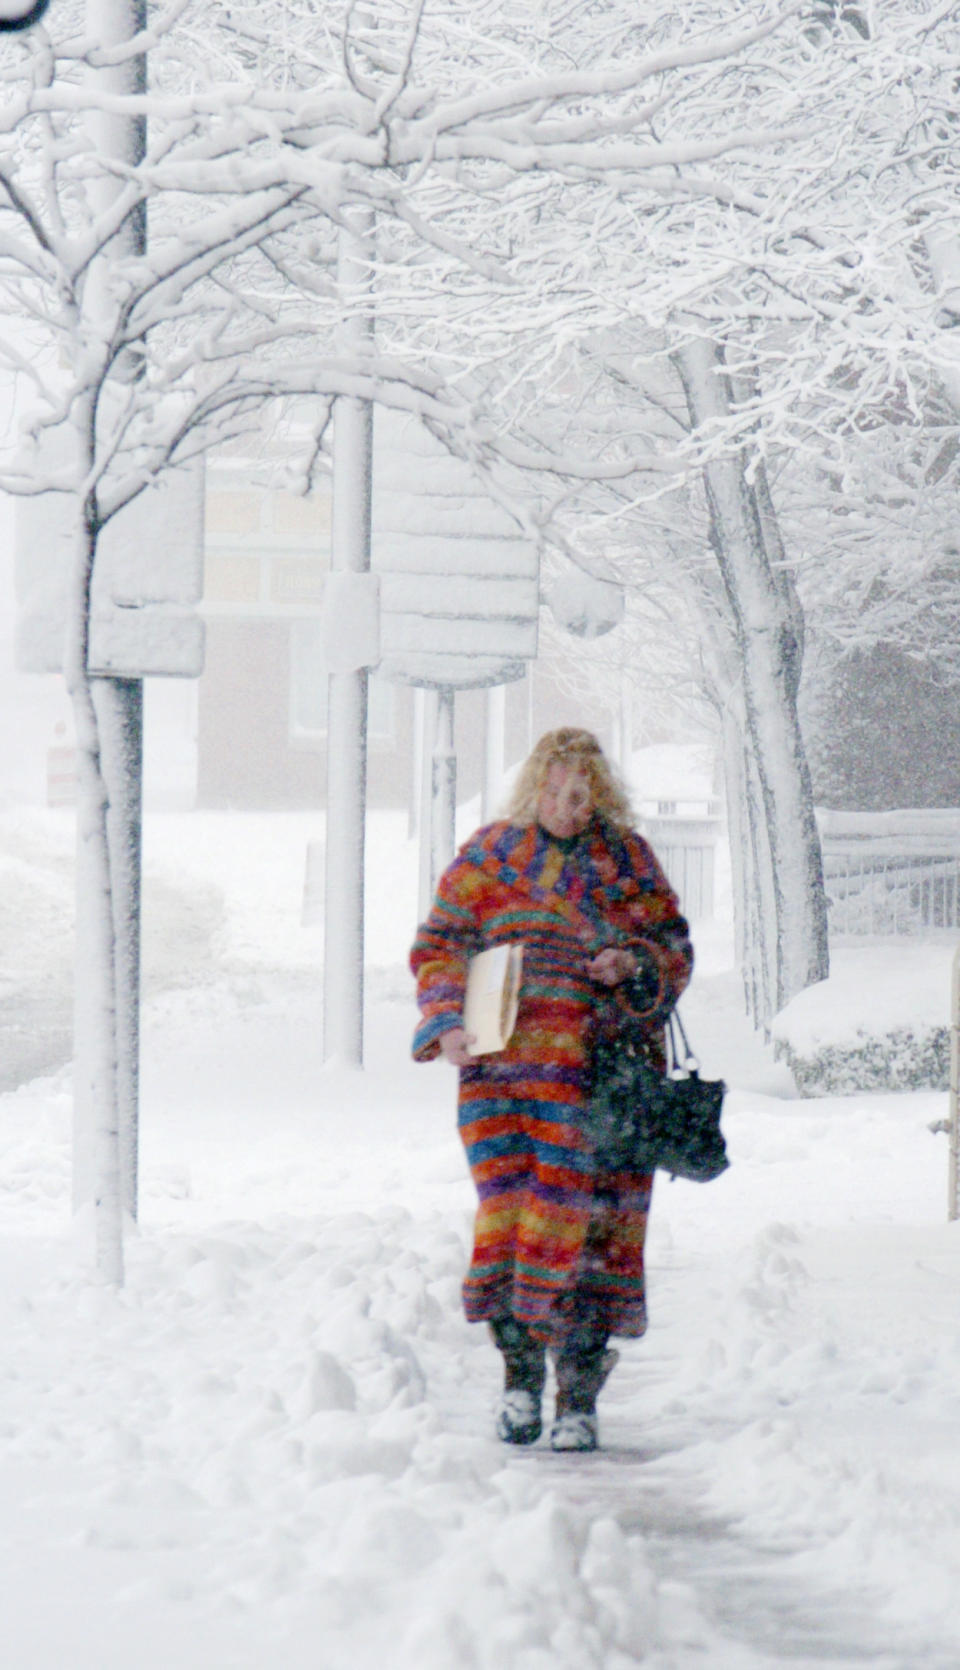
748, 860
767, 627
108, 716
119, 706
96, 1135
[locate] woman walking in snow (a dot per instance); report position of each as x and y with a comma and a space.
558, 1243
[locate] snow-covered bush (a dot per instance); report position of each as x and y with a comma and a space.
904, 1059
881, 1021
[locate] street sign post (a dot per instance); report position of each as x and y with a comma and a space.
953, 1181
459, 601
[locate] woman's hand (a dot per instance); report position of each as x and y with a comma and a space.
611, 965
453, 1046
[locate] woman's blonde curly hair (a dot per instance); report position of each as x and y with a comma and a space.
581, 750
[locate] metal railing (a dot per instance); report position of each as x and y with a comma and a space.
891, 872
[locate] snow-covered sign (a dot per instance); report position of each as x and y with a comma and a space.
586, 605
147, 582
459, 582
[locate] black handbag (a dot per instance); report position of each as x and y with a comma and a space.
643, 1120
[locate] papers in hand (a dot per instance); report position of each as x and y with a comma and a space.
492, 997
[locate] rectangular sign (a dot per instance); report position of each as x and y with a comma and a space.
460, 588
147, 582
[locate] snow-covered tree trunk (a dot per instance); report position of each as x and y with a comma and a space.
770, 653
109, 725
119, 707
96, 1137
749, 871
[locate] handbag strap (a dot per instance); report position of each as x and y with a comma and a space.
688, 1063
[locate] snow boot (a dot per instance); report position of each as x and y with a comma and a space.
582, 1366
525, 1370
574, 1432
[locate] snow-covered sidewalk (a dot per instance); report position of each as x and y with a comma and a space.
273, 1447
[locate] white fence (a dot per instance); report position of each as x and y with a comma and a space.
891, 872
684, 839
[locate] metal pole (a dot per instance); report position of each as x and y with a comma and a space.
443, 785
953, 1182
343, 881
494, 725
416, 766
428, 731
626, 725
347, 704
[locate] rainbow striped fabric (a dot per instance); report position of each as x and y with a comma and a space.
549, 1229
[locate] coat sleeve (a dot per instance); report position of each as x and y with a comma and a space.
660, 941
444, 944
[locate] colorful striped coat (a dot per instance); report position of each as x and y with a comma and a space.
549, 1226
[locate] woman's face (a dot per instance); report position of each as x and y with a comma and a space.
565, 806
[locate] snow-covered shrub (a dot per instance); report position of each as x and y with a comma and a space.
904, 1059
880, 1022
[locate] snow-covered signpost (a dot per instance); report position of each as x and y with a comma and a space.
953, 1184
351, 647
494, 754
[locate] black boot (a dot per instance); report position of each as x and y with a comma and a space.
525, 1370
582, 1364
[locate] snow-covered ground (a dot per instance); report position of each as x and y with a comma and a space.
273, 1446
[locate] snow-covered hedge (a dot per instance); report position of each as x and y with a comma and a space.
881, 1021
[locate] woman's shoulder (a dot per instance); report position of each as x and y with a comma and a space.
492, 838
634, 852
623, 836
635, 843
